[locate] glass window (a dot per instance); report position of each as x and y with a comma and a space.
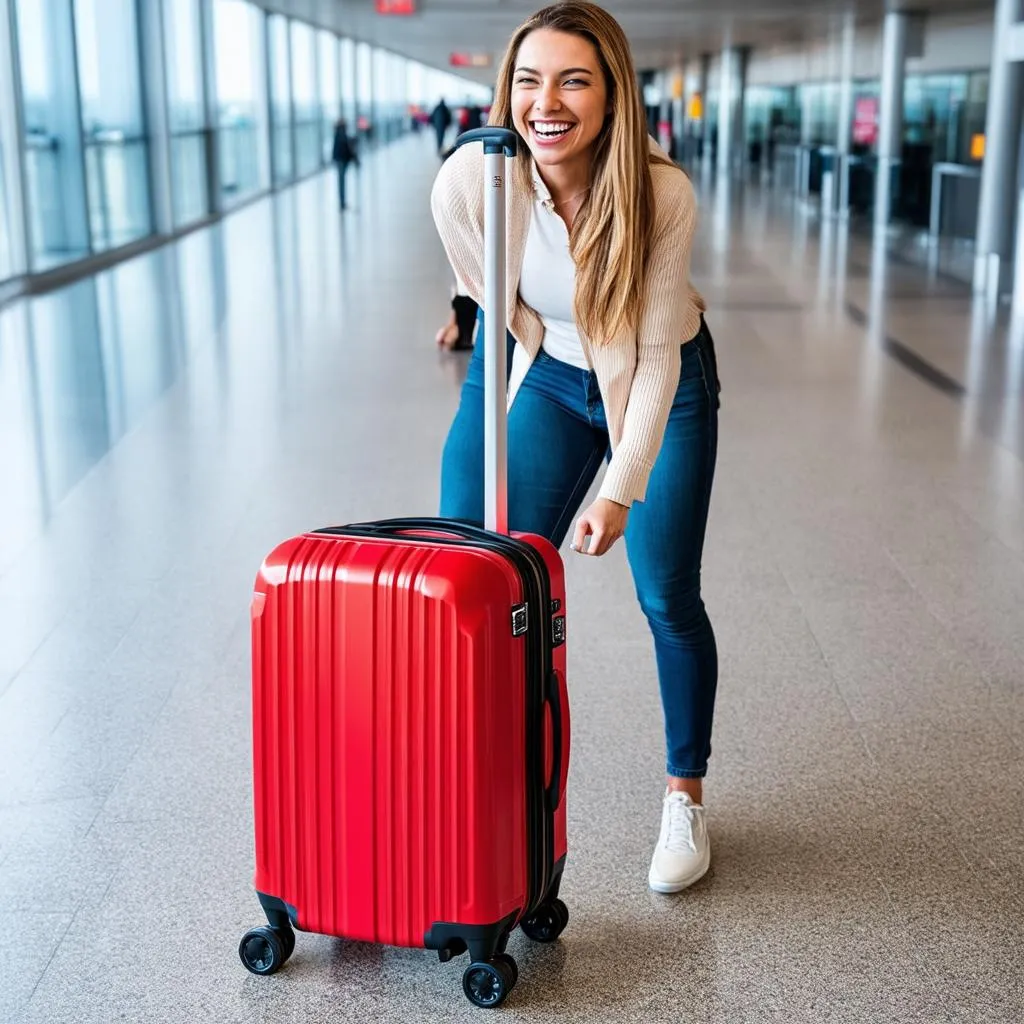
381, 92
399, 93
280, 99
933, 107
364, 90
305, 100
11, 255
242, 123
116, 150
54, 172
416, 92
330, 94
347, 60
186, 110
973, 116
820, 103
771, 112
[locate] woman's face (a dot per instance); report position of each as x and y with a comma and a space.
559, 97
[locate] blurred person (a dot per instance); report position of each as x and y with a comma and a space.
441, 119
476, 116
343, 153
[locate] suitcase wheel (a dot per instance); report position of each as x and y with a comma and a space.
487, 983
265, 950
547, 922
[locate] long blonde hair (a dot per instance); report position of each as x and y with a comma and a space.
611, 234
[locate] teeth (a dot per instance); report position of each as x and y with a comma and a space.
551, 128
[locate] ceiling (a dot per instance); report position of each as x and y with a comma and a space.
660, 31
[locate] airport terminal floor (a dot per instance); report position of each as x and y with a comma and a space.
169, 421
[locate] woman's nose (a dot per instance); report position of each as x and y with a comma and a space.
549, 98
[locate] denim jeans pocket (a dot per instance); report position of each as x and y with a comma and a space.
704, 353
691, 361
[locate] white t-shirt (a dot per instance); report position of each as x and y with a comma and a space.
547, 281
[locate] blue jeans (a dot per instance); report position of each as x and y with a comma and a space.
557, 439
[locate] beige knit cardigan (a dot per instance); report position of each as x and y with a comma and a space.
637, 374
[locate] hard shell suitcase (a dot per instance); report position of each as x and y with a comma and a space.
411, 718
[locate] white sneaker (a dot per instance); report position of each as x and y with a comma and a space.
683, 853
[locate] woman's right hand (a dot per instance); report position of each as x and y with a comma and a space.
604, 523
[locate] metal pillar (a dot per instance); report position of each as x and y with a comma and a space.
837, 187
705, 127
678, 113
890, 130
1018, 267
11, 132
730, 108
665, 114
211, 135
739, 120
999, 170
725, 105
846, 56
154, 76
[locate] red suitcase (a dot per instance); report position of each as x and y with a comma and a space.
411, 724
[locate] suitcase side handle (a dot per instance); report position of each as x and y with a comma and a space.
553, 699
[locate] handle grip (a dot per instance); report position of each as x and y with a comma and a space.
553, 698
495, 140
413, 524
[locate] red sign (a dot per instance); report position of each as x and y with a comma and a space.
469, 60
396, 6
865, 121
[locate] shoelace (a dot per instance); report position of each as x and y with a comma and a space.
679, 836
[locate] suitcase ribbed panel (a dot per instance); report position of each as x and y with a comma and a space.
389, 734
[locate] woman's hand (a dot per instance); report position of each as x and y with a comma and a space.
604, 522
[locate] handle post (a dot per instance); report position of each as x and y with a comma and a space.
498, 143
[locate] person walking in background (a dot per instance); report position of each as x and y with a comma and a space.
474, 117
343, 153
441, 119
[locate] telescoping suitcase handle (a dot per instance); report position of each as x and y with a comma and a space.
499, 143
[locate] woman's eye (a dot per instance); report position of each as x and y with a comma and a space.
576, 81
524, 81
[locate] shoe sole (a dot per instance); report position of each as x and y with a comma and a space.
672, 887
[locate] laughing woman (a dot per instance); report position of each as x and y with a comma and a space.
611, 358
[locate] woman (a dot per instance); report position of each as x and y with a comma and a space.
611, 359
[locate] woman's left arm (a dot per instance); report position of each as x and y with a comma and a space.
661, 333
